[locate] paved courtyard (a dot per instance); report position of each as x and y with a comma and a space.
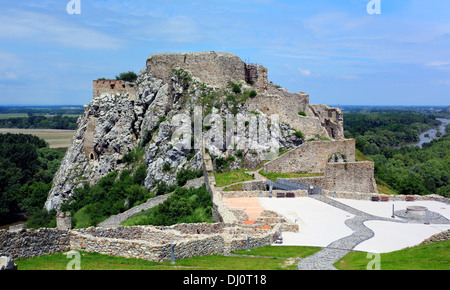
321, 224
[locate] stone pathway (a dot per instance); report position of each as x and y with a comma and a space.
325, 259
115, 220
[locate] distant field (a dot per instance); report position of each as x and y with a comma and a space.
24, 115
18, 115
55, 138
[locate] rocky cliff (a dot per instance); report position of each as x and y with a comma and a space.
178, 102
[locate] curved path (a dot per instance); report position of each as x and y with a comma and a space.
325, 259
115, 220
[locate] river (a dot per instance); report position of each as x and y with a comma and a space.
431, 134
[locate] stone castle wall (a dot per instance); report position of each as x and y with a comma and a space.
114, 87
350, 177
344, 177
33, 243
143, 242
311, 157
214, 68
153, 243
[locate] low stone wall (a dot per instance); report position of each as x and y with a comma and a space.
368, 196
254, 185
259, 193
239, 243
29, 243
119, 218
153, 249
198, 228
315, 181
442, 236
153, 243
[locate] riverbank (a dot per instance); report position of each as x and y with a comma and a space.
428, 135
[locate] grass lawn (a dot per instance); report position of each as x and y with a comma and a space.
435, 256
274, 176
228, 178
359, 156
95, 261
236, 187
384, 189
282, 251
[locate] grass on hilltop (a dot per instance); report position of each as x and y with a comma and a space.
435, 256
274, 175
231, 177
95, 261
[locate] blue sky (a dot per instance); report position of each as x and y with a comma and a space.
333, 50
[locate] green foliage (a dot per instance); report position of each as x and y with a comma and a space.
406, 170
434, 256
163, 188
299, 135
230, 177
127, 76
184, 206
384, 129
140, 174
42, 219
222, 164
183, 75
184, 175
41, 122
236, 88
166, 167
301, 113
112, 195
50, 110
133, 157
27, 167
252, 94
231, 97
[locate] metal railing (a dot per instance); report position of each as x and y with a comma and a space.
283, 184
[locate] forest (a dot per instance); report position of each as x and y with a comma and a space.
48, 117
27, 167
40, 122
408, 169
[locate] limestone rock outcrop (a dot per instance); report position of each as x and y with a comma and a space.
195, 93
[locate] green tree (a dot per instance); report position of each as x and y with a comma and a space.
127, 76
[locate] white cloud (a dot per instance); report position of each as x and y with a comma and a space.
305, 72
442, 82
438, 64
348, 77
38, 27
7, 76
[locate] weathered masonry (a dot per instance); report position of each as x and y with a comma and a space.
334, 159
